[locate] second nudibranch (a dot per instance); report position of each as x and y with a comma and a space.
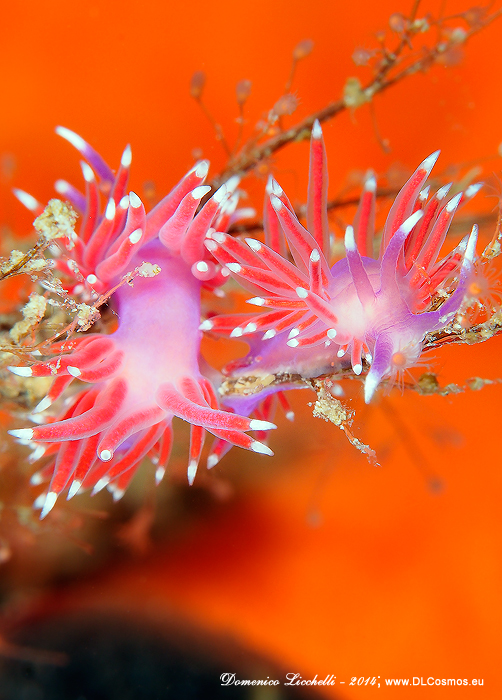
369, 307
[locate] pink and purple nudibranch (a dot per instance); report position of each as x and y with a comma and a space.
148, 370
368, 309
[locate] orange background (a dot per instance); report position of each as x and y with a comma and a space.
392, 579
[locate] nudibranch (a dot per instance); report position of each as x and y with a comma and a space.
369, 309
147, 371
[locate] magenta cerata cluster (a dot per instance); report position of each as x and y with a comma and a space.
372, 308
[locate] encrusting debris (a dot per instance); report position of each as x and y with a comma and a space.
33, 312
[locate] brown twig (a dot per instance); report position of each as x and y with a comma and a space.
247, 385
251, 156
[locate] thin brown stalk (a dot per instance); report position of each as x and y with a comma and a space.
251, 156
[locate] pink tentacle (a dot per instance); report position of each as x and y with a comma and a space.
355, 356
430, 250
71, 458
302, 326
192, 247
86, 461
92, 198
171, 400
393, 253
318, 306
317, 198
122, 429
86, 399
135, 219
274, 303
28, 201
239, 439
261, 322
274, 237
309, 341
164, 210
106, 473
101, 237
208, 393
218, 450
415, 241
71, 194
262, 279
69, 452
45, 474
193, 391
277, 264
301, 243
66, 463
286, 406
165, 447
69, 345
197, 437
104, 370
122, 177
96, 419
232, 249
224, 323
404, 203
98, 164
364, 221
116, 264
450, 265
227, 213
315, 273
291, 319
358, 272
120, 485
86, 355
57, 388
172, 232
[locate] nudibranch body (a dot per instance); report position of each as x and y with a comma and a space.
148, 370
363, 308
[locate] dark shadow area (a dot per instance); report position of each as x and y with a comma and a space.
106, 658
